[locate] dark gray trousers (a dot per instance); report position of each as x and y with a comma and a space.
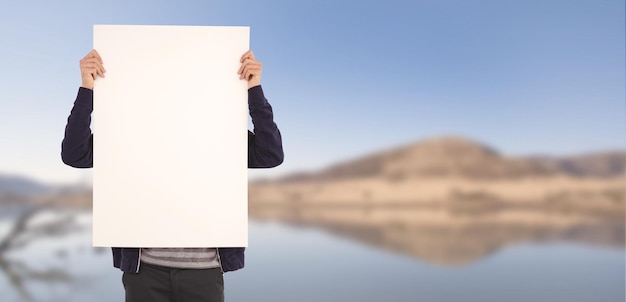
163, 284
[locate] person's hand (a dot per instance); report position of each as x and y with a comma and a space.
90, 67
250, 69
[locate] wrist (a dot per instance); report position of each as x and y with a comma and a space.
254, 84
87, 85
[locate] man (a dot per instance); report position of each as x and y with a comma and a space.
175, 274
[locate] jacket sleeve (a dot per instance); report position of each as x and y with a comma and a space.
265, 146
77, 145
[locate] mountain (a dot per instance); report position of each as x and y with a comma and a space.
602, 164
17, 185
452, 200
455, 156
24, 191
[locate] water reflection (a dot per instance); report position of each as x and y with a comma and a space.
448, 203
39, 249
22, 232
446, 236
33, 249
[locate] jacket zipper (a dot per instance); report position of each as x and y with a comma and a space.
217, 250
138, 261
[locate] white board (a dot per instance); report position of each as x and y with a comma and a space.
170, 137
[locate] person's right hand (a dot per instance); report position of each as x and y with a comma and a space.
90, 67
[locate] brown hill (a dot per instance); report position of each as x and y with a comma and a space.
452, 201
602, 164
461, 157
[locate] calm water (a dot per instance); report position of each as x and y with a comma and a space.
286, 263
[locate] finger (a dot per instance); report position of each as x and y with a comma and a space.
87, 70
248, 62
243, 56
89, 66
101, 69
254, 68
245, 63
94, 62
90, 60
93, 65
91, 54
247, 54
94, 68
246, 75
240, 68
98, 61
250, 73
244, 70
90, 71
97, 56
253, 71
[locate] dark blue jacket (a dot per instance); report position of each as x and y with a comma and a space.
265, 150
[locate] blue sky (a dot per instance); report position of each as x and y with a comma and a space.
350, 77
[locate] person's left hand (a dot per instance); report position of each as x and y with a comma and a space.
250, 69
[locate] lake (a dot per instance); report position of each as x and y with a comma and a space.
291, 262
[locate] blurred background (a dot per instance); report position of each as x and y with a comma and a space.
443, 150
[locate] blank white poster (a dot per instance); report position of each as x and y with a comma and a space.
170, 137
